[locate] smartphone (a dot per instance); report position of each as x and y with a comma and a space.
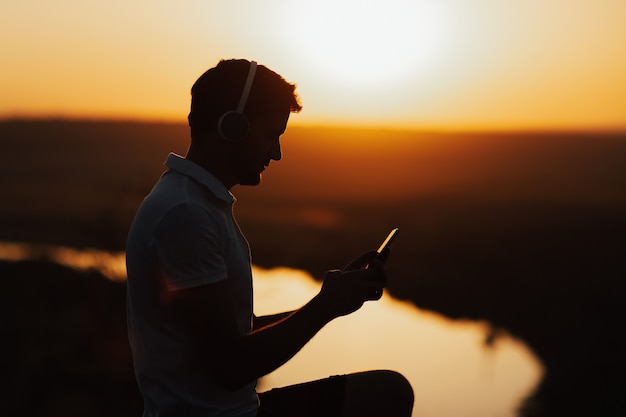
390, 237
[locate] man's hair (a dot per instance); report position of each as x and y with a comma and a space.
219, 90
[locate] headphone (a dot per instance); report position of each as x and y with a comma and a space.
234, 125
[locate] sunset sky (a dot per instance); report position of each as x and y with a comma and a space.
444, 64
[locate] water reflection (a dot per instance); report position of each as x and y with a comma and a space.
111, 265
452, 370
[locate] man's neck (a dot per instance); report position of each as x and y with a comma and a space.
217, 166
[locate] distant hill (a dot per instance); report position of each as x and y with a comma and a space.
95, 173
336, 163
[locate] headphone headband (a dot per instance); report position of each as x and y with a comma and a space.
233, 125
247, 87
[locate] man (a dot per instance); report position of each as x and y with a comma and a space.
198, 349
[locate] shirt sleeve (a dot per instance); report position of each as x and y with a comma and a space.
189, 249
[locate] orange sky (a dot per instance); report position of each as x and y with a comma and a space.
444, 64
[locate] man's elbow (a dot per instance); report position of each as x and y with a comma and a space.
232, 380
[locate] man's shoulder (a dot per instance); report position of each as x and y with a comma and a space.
175, 189
176, 201
180, 167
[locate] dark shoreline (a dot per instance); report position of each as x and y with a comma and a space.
65, 351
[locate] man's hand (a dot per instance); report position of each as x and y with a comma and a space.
344, 292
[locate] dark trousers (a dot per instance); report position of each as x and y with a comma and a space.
324, 397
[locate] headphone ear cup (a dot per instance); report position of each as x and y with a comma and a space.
233, 126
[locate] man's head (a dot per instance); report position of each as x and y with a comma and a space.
270, 101
219, 91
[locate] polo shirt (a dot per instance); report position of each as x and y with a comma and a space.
183, 236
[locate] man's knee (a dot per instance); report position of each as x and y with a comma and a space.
378, 393
395, 385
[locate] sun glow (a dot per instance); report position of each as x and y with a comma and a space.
426, 64
365, 42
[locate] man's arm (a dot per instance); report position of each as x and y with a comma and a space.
262, 321
241, 358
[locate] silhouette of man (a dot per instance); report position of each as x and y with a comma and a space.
198, 349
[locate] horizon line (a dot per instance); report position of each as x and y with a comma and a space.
431, 128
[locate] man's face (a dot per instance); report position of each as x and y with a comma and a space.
260, 147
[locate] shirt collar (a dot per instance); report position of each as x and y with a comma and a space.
184, 166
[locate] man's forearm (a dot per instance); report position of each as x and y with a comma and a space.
268, 320
264, 350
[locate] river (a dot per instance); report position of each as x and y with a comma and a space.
452, 370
